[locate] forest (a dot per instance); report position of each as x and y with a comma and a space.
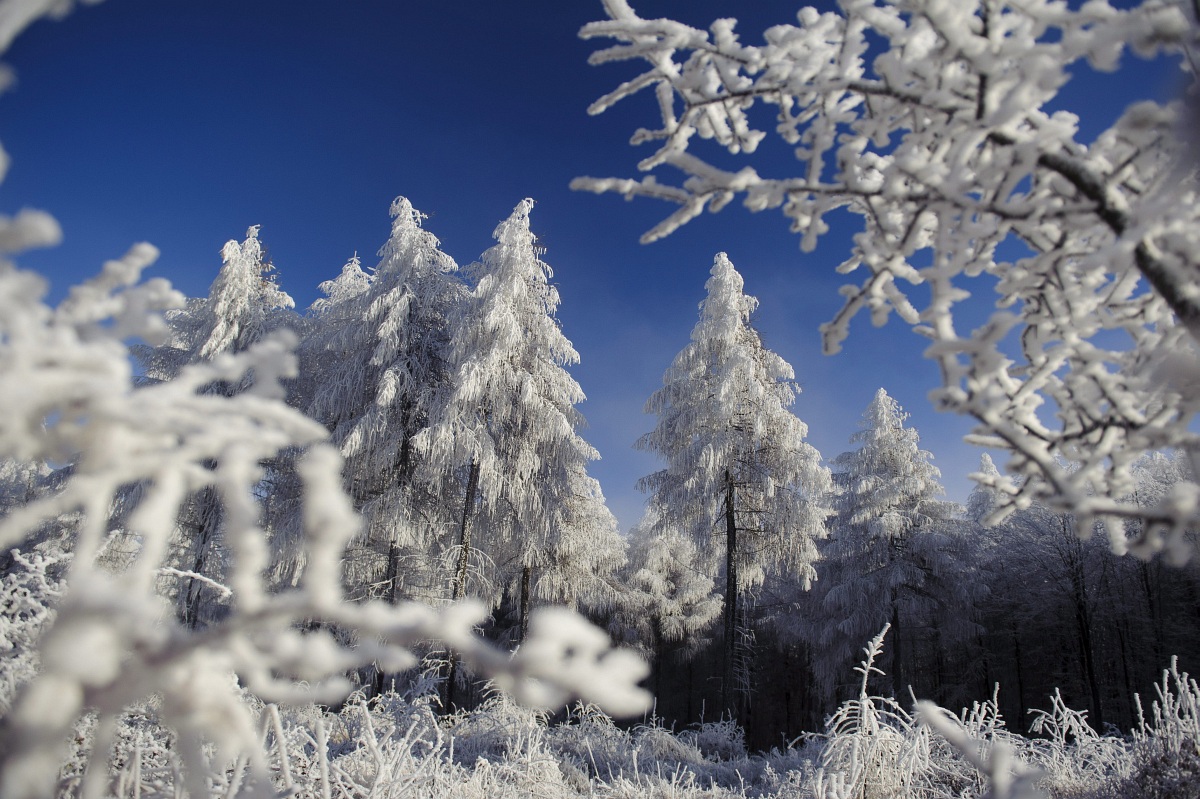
355, 549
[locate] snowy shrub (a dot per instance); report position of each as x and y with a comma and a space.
867, 737
1165, 757
114, 640
28, 597
489, 731
717, 740
591, 742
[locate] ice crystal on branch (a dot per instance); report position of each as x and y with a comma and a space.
71, 400
930, 121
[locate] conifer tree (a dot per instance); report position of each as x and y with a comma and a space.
243, 305
379, 358
739, 477
669, 601
508, 430
890, 557
586, 549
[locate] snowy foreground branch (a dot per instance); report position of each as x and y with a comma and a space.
930, 121
70, 398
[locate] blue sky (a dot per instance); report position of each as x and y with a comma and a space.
183, 123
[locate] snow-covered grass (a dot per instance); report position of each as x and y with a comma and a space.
398, 746
402, 744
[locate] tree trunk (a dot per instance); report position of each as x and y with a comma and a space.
458, 588
1021, 706
208, 514
526, 575
731, 600
1150, 587
897, 652
660, 657
390, 594
1083, 621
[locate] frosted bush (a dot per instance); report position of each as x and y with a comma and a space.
717, 740
70, 398
28, 596
1165, 757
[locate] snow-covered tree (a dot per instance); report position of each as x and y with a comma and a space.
889, 556
939, 125
243, 305
378, 363
508, 430
511, 411
578, 567
739, 476
669, 599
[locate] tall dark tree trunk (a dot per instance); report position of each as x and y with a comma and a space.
731, 601
660, 656
1150, 587
390, 594
897, 651
1083, 620
458, 587
526, 599
208, 516
1021, 704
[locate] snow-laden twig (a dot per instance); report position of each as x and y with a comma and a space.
934, 124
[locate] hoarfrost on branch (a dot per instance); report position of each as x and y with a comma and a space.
70, 398
931, 121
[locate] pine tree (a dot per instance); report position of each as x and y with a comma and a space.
739, 479
243, 305
508, 431
378, 357
586, 549
669, 601
890, 557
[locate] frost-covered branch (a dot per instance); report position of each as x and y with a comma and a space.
71, 401
930, 122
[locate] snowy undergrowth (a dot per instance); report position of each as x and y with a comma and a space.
398, 745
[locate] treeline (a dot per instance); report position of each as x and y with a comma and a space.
818, 562
756, 576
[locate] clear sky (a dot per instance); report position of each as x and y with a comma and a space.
183, 123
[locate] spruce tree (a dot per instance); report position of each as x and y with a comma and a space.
507, 434
243, 305
891, 554
739, 476
378, 358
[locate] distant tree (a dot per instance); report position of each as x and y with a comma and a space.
1063, 612
739, 477
936, 124
669, 601
891, 554
579, 565
243, 305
